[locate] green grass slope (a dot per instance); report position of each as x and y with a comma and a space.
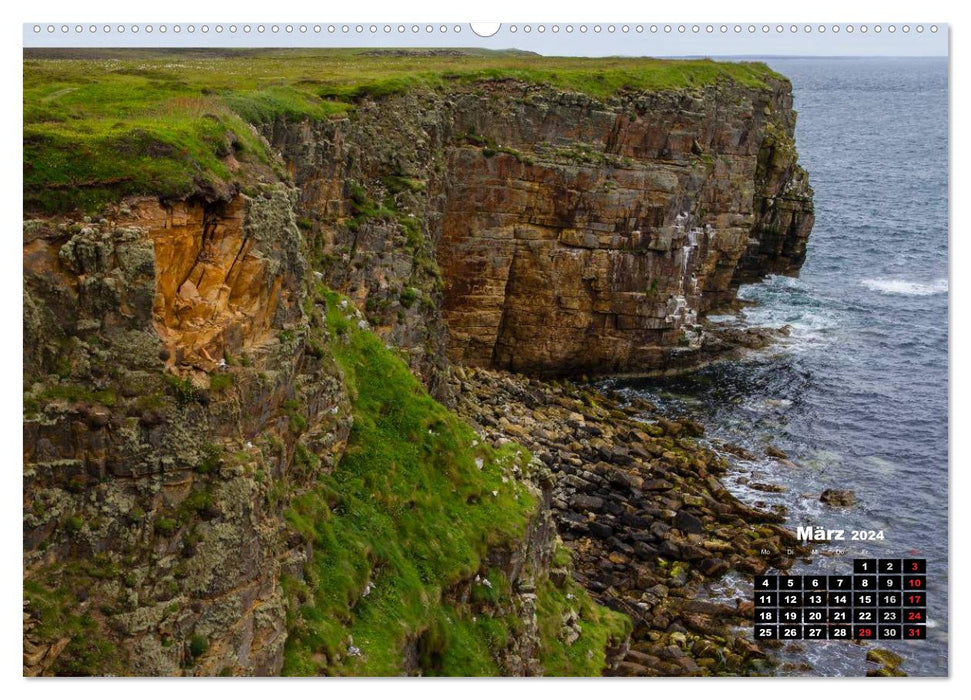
413, 507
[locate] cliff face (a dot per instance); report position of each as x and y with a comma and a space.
163, 345
229, 470
570, 234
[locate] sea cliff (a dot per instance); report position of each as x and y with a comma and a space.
267, 425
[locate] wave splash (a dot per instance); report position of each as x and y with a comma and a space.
906, 287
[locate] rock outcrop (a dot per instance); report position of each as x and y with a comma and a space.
164, 349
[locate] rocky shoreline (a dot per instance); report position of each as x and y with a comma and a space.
638, 501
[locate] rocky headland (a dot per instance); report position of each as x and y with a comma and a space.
302, 405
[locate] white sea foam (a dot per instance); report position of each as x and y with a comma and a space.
906, 287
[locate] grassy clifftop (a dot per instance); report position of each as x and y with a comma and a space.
104, 124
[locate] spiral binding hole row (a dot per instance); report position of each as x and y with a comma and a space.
457, 29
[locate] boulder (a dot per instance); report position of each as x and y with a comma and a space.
841, 498
686, 522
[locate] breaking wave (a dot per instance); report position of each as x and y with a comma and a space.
906, 287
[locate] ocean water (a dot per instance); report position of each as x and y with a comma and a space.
857, 395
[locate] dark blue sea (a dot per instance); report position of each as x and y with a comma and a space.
857, 395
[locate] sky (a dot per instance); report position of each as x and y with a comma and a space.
577, 39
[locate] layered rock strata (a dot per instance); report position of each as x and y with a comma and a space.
570, 234
182, 399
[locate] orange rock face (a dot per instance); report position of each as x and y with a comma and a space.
504, 225
215, 294
219, 284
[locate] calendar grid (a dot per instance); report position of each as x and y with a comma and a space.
882, 599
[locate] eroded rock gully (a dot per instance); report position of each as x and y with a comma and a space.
176, 370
